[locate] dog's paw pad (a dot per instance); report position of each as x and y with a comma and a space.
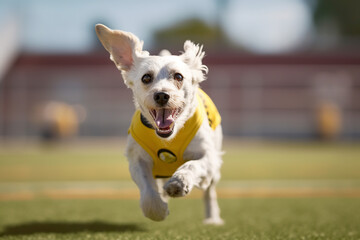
176, 188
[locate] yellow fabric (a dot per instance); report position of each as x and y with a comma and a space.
211, 111
168, 155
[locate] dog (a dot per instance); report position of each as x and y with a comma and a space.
175, 137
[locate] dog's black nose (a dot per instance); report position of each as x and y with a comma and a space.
161, 98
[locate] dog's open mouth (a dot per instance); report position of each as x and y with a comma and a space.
165, 120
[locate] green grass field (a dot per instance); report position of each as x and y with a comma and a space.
269, 190
121, 219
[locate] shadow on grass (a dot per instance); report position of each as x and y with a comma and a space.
68, 227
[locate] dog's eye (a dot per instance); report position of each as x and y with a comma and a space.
178, 77
147, 78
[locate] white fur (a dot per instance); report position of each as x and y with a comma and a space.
202, 169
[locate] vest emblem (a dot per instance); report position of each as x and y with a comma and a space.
166, 156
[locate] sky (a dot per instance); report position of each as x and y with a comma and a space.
269, 26
262, 26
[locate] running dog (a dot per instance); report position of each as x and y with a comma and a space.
175, 137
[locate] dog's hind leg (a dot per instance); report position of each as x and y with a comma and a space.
212, 210
160, 184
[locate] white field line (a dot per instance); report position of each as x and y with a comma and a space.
226, 189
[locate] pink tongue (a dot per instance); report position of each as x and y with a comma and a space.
164, 118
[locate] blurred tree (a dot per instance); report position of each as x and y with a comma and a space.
195, 30
345, 14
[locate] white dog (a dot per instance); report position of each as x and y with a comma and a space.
175, 137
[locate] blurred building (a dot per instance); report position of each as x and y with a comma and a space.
258, 96
284, 69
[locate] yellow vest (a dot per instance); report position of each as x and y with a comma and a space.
168, 155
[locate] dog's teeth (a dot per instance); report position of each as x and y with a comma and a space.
175, 112
153, 113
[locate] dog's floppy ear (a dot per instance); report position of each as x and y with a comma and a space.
193, 55
124, 47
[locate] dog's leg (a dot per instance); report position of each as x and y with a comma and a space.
151, 203
212, 210
182, 181
191, 173
160, 186
196, 173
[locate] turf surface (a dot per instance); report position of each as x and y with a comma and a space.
247, 166
242, 161
333, 218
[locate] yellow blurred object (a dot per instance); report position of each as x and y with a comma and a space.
66, 120
329, 120
59, 120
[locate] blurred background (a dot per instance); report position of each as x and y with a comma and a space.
279, 69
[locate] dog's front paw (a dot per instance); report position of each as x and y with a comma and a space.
177, 187
154, 208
